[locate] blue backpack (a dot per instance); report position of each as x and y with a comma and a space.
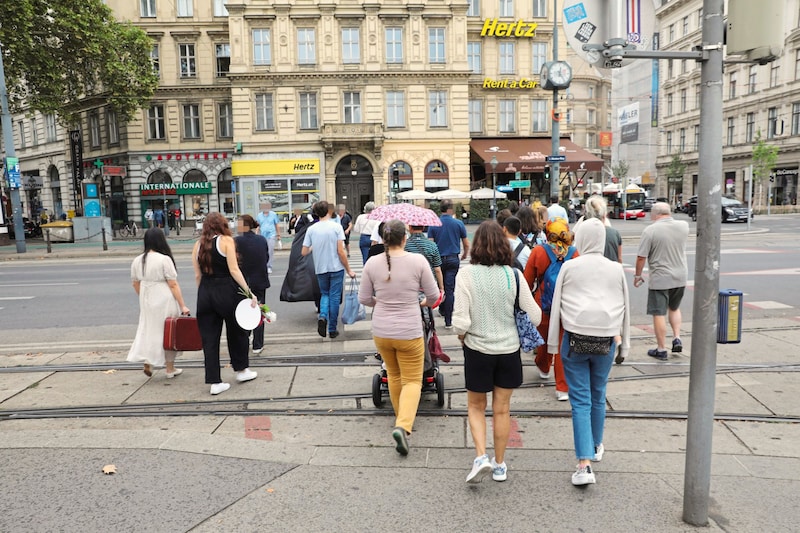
548, 281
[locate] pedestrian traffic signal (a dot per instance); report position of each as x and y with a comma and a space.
395, 180
547, 172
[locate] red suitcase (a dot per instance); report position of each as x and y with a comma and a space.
182, 334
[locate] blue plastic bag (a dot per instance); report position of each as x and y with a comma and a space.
353, 311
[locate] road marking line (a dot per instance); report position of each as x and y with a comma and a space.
38, 284
767, 304
17, 297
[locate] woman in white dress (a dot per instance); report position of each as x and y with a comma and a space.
155, 281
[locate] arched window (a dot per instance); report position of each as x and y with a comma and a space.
159, 176
195, 205
225, 190
437, 176
405, 174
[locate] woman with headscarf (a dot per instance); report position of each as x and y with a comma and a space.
391, 282
558, 245
220, 288
364, 227
590, 299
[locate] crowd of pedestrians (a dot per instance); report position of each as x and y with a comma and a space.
569, 281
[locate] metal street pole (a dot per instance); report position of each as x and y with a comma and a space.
555, 170
8, 139
702, 370
494, 187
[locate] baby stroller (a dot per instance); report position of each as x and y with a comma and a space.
432, 378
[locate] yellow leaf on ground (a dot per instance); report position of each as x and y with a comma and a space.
111, 371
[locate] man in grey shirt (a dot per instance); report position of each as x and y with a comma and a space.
663, 246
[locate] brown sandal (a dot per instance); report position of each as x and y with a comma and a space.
147, 370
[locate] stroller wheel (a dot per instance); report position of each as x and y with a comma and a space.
440, 389
377, 395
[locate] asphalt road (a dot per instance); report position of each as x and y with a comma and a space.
91, 299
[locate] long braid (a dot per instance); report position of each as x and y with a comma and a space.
389, 265
393, 234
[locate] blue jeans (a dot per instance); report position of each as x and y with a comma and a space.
587, 376
450, 264
364, 243
330, 286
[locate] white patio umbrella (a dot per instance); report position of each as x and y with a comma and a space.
485, 193
414, 195
450, 194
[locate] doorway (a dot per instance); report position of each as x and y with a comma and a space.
355, 185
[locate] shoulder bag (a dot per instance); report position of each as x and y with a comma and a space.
529, 337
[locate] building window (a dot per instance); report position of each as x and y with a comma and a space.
731, 131
474, 9
700, 18
262, 51
669, 142
308, 111
219, 8
750, 128
732, 85
394, 45
94, 129
685, 25
568, 116
506, 8
437, 176
590, 90
306, 46
697, 96
797, 64
351, 46
191, 121
773, 74
112, 125
265, 119
538, 115
184, 8
591, 140
223, 51
539, 55
476, 116
591, 117
751, 79
437, 109
670, 72
50, 131
395, 109
684, 69
669, 104
697, 137
148, 8
772, 122
352, 108
608, 120
436, 45
154, 52
795, 119
34, 133
507, 58
683, 100
508, 114
671, 32
540, 8
21, 128
188, 60
682, 140
225, 120
474, 56
155, 123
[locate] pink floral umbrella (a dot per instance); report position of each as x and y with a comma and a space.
407, 213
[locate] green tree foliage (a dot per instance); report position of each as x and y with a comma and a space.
676, 170
764, 158
62, 55
620, 170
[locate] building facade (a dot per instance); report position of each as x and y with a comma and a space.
292, 101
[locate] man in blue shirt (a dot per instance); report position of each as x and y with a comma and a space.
326, 239
449, 237
268, 225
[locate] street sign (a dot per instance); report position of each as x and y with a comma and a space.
505, 188
518, 184
555, 158
13, 176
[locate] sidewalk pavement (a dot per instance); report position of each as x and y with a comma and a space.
302, 448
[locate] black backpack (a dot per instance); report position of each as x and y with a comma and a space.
521, 246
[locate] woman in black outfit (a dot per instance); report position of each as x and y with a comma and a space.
220, 284
253, 254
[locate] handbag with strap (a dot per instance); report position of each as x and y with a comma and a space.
353, 310
529, 336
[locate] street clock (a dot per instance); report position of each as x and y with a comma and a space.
555, 75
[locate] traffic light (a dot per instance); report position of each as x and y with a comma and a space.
547, 172
395, 180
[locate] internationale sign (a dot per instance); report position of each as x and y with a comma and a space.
157, 189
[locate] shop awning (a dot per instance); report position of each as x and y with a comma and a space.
528, 155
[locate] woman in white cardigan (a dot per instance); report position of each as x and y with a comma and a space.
483, 318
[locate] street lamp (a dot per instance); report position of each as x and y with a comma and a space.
493, 162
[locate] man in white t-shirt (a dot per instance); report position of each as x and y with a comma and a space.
556, 210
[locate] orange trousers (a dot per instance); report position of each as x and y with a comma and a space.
543, 359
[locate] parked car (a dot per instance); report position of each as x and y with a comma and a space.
732, 209
648, 204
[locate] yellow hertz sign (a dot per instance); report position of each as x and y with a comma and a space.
523, 83
275, 167
520, 28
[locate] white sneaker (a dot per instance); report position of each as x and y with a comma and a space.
216, 388
480, 469
269, 270
562, 396
246, 375
176, 372
583, 476
499, 471
257, 350
543, 375
598, 453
